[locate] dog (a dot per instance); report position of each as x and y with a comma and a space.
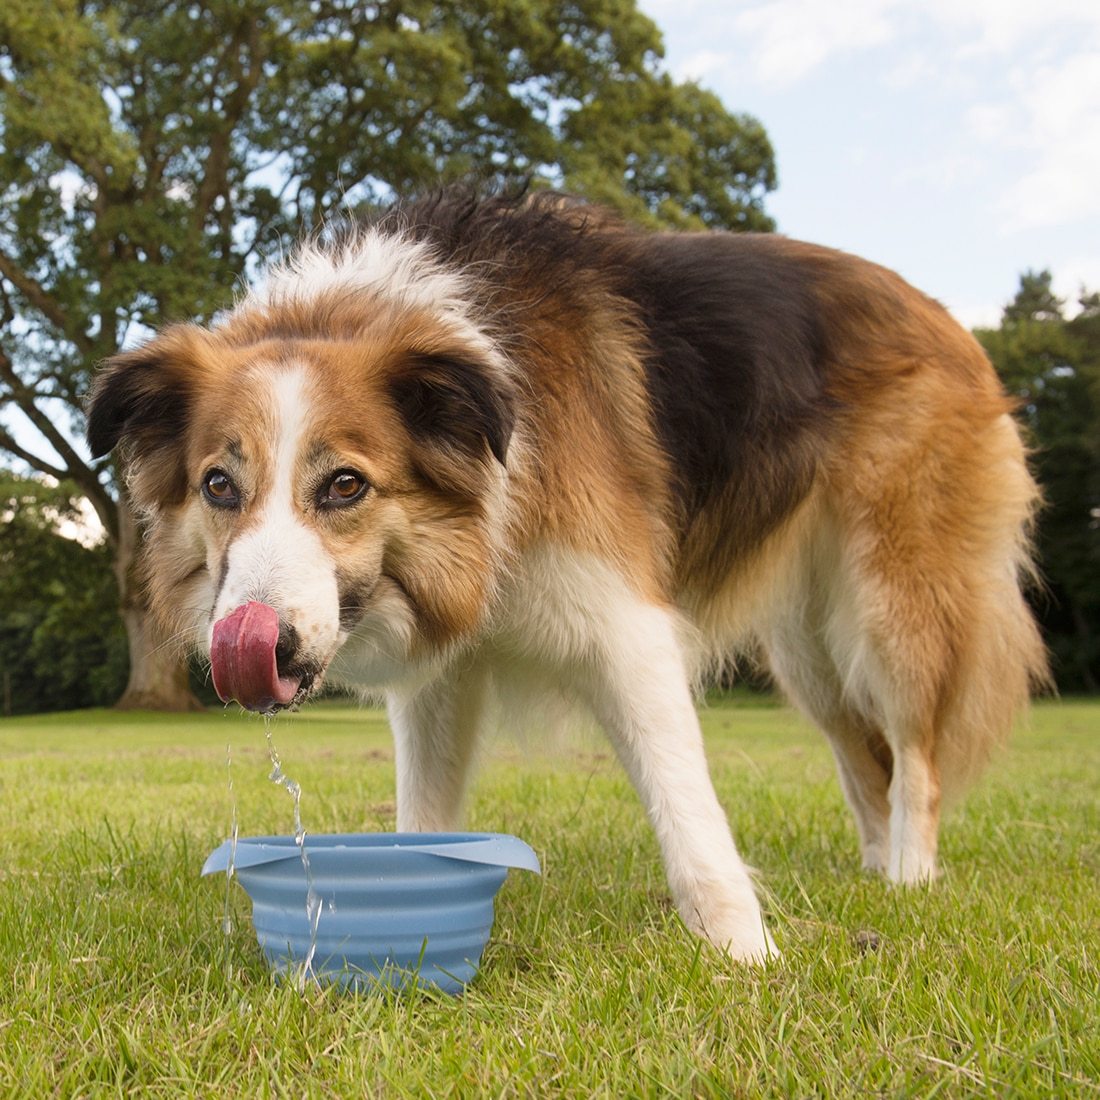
488, 445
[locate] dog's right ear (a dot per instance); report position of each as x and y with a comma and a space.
141, 401
139, 395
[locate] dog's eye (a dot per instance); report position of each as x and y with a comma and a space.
219, 490
344, 487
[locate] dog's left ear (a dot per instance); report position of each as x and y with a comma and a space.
461, 404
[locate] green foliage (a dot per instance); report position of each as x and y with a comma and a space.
117, 978
1052, 364
61, 642
179, 141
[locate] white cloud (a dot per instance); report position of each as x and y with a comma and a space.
792, 38
976, 316
700, 65
1026, 78
1001, 26
787, 40
980, 115
940, 174
1059, 107
914, 70
1070, 277
992, 123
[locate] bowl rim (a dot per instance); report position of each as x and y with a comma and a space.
495, 849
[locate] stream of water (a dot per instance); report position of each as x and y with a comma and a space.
313, 900
230, 870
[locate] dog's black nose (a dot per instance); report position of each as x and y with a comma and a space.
286, 649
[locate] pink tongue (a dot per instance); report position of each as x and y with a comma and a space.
242, 659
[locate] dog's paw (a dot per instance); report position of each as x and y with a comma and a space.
741, 936
758, 953
912, 869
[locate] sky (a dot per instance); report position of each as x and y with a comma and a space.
955, 141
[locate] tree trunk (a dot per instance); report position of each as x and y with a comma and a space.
158, 667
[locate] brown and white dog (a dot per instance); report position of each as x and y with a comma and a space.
493, 446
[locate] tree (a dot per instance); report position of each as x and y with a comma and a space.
1035, 301
1053, 366
61, 642
150, 153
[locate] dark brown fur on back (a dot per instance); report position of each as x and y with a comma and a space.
731, 317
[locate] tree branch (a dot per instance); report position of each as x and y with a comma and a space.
84, 477
86, 163
77, 469
7, 442
42, 300
217, 160
24, 398
9, 309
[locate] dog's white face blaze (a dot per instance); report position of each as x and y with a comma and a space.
279, 558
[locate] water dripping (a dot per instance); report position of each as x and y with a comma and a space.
313, 900
231, 867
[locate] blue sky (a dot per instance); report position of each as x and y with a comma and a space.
956, 141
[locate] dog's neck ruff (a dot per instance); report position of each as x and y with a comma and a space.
387, 265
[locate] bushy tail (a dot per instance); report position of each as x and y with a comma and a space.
1004, 661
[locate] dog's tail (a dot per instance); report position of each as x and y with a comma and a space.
1003, 660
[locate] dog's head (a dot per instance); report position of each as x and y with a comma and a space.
321, 480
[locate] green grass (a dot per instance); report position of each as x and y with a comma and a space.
116, 977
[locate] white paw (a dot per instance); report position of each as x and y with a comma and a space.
740, 935
913, 870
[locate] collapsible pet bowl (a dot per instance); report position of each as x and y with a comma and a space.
387, 907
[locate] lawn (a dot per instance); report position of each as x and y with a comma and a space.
116, 976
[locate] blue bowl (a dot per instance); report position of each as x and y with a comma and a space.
389, 908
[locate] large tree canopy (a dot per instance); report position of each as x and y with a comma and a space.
151, 153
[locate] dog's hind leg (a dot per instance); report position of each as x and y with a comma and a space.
880, 712
888, 773
865, 765
435, 733
863, 761
806, 674
903, 667
798, 640
914, 811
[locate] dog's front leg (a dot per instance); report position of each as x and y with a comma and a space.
639, 690
435, 733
